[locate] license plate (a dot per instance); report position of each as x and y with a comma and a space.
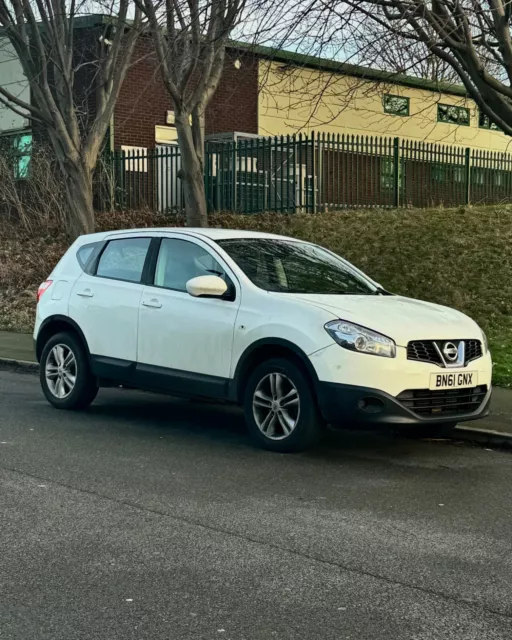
453, 380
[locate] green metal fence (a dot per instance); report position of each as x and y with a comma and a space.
310, 174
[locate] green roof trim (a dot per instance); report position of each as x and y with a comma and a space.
344, 68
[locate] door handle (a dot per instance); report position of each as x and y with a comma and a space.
86, 293
154, 303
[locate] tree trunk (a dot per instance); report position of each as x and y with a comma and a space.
192, 174
80, 201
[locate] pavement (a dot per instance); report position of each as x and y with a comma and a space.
17, 346
148, 518
497, 427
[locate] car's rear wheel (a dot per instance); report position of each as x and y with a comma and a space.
65, 374
280, 407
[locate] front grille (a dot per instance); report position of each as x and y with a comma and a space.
473, 350
425, 351
448, 402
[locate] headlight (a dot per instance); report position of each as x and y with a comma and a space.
356, 338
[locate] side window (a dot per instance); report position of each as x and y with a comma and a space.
124, 259
87, 253
180, 260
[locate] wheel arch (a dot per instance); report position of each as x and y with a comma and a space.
55, 324
265, 349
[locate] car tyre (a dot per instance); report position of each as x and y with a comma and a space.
280, 407
65, 373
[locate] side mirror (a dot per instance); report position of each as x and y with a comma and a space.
207, 286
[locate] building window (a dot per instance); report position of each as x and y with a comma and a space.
396, 105
22, 145
453, 115
484, 122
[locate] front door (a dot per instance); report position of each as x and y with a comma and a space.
185, 343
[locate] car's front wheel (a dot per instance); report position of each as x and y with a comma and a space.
280, 407
65, 374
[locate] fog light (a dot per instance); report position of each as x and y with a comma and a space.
371, 405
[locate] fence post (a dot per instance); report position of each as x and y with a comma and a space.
124, 197
207, 177
234, 175
468, 176
114, 179
396, 172
313, 175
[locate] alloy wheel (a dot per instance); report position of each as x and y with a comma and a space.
61, 371
276, 406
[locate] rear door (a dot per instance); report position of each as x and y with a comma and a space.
105, 302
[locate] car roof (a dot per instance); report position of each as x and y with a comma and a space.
211, 233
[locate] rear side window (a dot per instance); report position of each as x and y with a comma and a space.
86, 254
124, 259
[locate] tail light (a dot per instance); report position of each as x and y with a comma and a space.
42, 288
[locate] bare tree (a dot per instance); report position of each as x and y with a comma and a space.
52, 55
353, 38
190, 40
472, 36
378, 47
40, 203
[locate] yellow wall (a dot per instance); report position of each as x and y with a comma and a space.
301, 100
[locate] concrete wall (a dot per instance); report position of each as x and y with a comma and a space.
294, 100
13, 79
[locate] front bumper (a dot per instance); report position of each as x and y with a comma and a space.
349, 404
391, 375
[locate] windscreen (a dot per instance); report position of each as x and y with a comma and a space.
295, 267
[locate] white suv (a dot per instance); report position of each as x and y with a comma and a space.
289, 330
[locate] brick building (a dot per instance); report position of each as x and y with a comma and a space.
266, 92
142, 116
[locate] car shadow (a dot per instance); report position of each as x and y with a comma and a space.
168, 414
154, 415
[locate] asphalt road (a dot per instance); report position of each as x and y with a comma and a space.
147, 518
